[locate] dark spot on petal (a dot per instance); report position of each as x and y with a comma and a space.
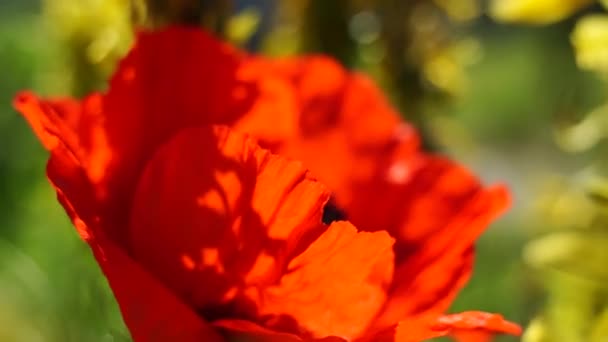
331, 212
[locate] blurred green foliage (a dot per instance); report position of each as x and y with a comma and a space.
568, 253
50, 286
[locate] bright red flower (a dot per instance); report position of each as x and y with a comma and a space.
203, 235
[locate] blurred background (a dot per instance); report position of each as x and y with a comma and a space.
514, 89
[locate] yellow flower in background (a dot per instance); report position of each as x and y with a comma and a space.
241, 26
581, 254
571, 266
535, 11
537, 331
590, 40
569, 261
445, 68
600, 329
462, 10
95, 33
586, 133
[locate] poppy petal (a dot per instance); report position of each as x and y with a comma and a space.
445, 209
371, 122
215, 214
77, 124
470, 326
341, 114
477, 326
171, 79
432, 277
46, 120
411, 330
240, 330
150, 311
337, 285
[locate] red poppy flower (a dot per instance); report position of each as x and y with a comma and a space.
203, 235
